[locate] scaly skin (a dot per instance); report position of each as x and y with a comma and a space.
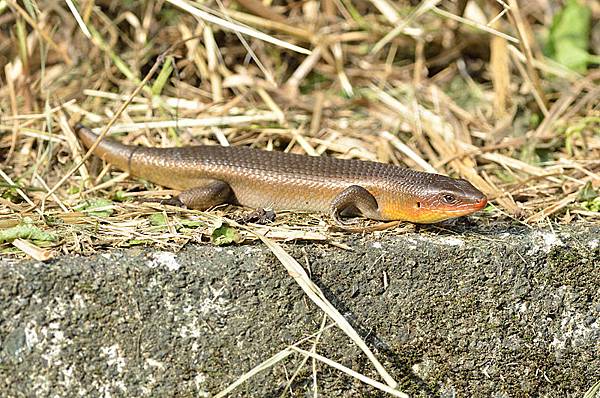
210, 175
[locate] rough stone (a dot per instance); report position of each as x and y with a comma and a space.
460, 311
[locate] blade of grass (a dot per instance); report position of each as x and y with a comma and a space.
41, 32
78, 19
316, 295
474, 24
403, 24
32, 250
163, 77
350, 372
199, 122
184, 5
273, 360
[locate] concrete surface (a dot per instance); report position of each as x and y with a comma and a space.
500, 311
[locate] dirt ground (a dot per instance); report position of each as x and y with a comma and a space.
467, 310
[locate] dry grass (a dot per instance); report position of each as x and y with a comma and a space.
430, 87
447, 87
469, 95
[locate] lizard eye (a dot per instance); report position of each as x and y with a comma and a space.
448, 198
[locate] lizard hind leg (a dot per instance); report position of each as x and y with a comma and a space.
352, 201
208, 193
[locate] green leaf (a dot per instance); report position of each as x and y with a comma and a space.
592, 205
25, 230
225, 235
137, 242
587, 193
73, 190
120, 196
158, 219
98, 207
568, 41
191, 223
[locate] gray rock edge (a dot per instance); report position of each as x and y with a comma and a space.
501, 311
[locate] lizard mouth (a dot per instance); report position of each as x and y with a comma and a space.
477, 205
463, 209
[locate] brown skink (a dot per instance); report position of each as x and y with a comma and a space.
211, 175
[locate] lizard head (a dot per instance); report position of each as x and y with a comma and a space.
436, 198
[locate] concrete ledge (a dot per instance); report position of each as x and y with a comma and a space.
505, 313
